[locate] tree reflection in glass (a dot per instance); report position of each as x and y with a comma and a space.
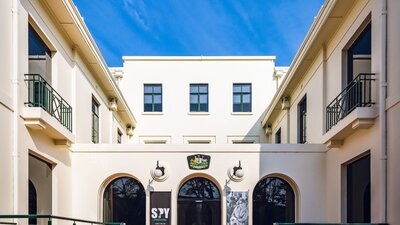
199, 188
125, 201
273, 201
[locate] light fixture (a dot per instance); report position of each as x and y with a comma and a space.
159, 173
112, 104
129, 130
236, 173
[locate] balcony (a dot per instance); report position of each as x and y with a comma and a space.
46, 109
352, 109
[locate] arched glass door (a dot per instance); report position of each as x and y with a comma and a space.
124, 200
199, 203
273, 201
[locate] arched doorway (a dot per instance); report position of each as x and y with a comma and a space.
199, 203
124, 200
273, 201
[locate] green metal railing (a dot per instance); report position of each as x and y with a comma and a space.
51, 217
358, 93
41, 94
330, 223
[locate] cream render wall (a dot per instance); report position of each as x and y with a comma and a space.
176, 74
325, 81
258, 161
19, 141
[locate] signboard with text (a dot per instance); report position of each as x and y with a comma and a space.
160, 208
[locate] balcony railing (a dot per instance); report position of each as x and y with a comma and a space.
356, 94
41, 94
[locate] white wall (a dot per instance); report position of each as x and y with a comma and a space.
176, 75
258, 161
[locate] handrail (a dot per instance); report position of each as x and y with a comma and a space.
50, 217
42, 94
356, 94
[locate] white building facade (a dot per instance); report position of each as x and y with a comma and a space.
200, 140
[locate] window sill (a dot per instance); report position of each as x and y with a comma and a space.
241, 113
199, 113
152, 113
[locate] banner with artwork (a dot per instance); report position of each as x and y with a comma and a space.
160, 208
237, 208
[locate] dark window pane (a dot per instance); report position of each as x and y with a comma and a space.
203, 107
148, 107
193, 107
246, 107
237, 107
157, 107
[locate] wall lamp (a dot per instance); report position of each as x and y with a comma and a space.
159, 173
236, 173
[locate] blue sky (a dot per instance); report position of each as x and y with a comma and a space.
198, 27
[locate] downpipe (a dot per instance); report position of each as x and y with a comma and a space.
382, 114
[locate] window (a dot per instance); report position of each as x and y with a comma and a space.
153, 98
199, 98
241, 97
273, 202
119, 136
95, 121
39, 61
302, 120
359, 55
124, 199
278, 136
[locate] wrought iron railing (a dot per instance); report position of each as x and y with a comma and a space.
33, 219
356, 94
41, 94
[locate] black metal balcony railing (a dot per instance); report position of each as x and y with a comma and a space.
33, 220
41, 94
356, 94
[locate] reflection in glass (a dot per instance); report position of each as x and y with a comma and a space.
125, 201
273, 201
199, 203
199, 188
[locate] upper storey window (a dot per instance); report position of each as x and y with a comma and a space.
302, 120
359, 56
199, 98
153, 98
39, 55
241, 97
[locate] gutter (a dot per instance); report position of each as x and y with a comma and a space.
316, 26
382, 115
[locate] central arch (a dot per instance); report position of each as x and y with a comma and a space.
199, 202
